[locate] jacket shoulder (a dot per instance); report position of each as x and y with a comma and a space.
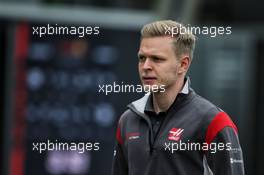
213, 119
126, 117
206, 109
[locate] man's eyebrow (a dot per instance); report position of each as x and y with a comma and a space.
153, 55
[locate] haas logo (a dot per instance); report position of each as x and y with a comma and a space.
175, 134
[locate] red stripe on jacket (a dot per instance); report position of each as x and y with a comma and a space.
220, 121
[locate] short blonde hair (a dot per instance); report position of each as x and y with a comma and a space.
184, 42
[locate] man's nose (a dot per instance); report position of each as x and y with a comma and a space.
147, 64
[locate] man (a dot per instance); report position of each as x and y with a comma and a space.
173, 131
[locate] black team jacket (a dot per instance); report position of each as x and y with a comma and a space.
195, 137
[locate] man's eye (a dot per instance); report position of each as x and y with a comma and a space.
141, 58
157, 59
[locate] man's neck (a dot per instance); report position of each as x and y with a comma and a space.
163, 100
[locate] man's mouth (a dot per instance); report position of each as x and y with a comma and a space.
149, 80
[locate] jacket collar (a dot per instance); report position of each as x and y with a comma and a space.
140, 105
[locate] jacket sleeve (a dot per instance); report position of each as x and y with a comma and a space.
119, 165
224, 156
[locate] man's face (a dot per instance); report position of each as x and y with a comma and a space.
158, 64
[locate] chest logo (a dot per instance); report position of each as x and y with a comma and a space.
132, 135
175, 134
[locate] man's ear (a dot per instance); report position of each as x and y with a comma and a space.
185, 62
